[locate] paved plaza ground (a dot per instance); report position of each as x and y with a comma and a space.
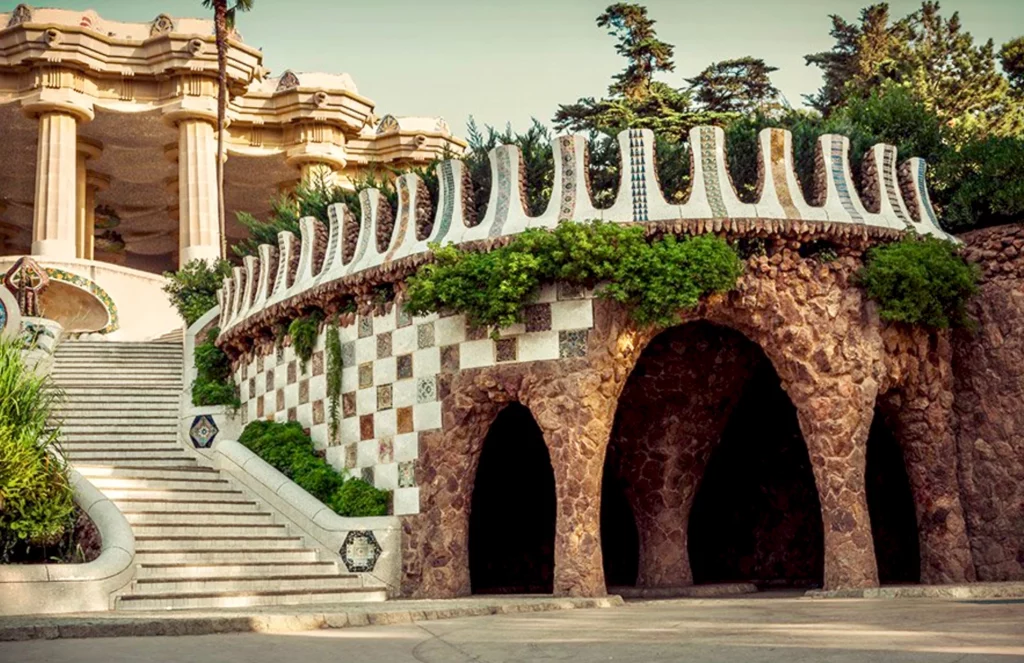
762, 628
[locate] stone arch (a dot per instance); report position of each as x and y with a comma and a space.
677, 404
512, 509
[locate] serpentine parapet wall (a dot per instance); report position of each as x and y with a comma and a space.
419, 394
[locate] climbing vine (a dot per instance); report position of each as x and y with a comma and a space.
655, 279
334, 366
304, 332
920, 281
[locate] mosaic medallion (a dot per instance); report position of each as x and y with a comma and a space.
360, 551
203, 431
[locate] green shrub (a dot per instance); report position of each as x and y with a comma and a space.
655, 280
213, 384
920, 281
289, 450
193, 288
36, 501
304, 332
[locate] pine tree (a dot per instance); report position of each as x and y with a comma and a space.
742, 85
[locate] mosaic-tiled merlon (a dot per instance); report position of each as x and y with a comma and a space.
318, 363
318, 412
402, 317
348, 404
293, 372
426, 390
366, 427
385, 450
303, 392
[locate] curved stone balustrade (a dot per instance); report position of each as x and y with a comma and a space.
891, 201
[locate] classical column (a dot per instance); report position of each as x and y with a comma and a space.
313, 171
94, 183
199, 234
83, 202
56, 209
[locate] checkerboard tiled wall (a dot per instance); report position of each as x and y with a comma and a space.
391, 365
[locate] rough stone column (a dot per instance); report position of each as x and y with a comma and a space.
199, 223
921, 416
85, 199
56, 208
671, 416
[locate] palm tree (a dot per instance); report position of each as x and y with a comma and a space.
223, 22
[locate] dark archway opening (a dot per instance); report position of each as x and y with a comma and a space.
620, 542
756, 516
512, 516
706, 400
891, 508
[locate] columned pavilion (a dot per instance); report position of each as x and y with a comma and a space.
108, 139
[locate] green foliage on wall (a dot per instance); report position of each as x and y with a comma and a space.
213, 384
193, 288
36, 501
655, 280
334, 366
287, 448
304, 332
920, 281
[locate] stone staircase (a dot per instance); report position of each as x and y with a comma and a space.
200, 541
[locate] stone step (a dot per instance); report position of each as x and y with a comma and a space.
144, 414
100, 445
157, 453
229, 519
258, 583
84, 347
204, 494
162, 463
122, 383
234, 570
199, 542
113, 439
246, 599
208, 530
120, 428
155, 506
111, 369
227, 555
180, 473
108, 483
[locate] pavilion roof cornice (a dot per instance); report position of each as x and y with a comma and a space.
46, 44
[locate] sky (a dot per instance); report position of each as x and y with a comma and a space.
509, 60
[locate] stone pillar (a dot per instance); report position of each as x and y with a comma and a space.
84, 199
56, 208
920, 415
835, 417
199, 223
671, 416
94, 183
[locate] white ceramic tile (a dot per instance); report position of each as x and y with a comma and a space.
406, 446
366, 453
366, 401
450, 330
403, 341
406, 501
426, 362
385, 423
473, 354
403, 393
384, 371
426, 416
385, 476
537, 346
348, 431
572, 314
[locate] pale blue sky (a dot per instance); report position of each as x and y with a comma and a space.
508, 60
